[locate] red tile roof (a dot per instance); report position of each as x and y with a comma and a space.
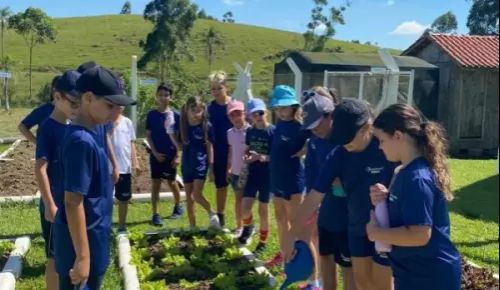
470, 51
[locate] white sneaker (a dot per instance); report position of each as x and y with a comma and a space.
214, 221
237, 233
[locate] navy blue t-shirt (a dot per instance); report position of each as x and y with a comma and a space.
357, 172
155, 122
415, 200
221, 124
38, 116
85, 168
195, 152
260, 141
333, 211
50, 137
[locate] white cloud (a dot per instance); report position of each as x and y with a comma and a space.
234, 2
410, 28
390, 3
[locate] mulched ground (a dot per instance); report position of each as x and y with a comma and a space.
17, 177
477, 279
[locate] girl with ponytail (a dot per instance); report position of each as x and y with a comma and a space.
423, 256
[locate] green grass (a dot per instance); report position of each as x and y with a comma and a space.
111, 40
10, 120
474, 228
3, 147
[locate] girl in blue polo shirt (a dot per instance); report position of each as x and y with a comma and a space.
287, 170
82, 229
50, 136
38, 115
423, 255
196, 138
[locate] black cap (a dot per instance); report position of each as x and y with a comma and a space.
85, 66
67, 82
104, 83
349, 116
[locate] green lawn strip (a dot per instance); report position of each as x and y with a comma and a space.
10, 120
4, 147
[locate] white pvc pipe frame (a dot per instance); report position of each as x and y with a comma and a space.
14, 266
11, 148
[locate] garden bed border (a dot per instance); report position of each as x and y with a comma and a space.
10, 149
14, 266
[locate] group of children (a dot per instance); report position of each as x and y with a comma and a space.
326, 165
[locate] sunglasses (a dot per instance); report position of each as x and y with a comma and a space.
73, 104
308, 94
258, 113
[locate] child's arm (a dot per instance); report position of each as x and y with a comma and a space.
210, 156
158, 156
75, 214
135, 160
112, 158
229, 159
26, 133
44, 186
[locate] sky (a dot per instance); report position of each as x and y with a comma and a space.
390, 23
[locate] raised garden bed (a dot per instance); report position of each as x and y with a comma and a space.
476, 278
6, 247
194, 260
17, 173
13, 266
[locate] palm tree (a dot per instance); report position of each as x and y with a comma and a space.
4, 15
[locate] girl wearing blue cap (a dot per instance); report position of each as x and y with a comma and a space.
259, 140
287, 170
359, 164
423, 256
47, 169
197, 138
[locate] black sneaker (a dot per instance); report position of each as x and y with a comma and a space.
261, 248
178, 211
222, 219
248, 232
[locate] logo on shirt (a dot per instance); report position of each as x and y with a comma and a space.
284, 138
393, 198
374, 170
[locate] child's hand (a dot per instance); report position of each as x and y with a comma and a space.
378, 193
137, 170
50, 214
160, 157
372, 226
176, 162
251, 157
116, 175
79, 274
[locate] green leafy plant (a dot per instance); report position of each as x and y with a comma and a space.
200, 243
189, 285
232, 254
6, 247
154, 285
226, 281
174, 260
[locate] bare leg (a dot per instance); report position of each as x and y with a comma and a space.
174, 186
51, 277
122, 213
238, 207
190, 204
155, 194
329, 273
199, 197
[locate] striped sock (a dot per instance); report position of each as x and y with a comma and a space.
263, 236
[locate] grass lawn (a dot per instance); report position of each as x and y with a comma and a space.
474, 217
10, 120
3, 147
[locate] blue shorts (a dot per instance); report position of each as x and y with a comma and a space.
192, 173
258, 186
286, 194
123, 188
220, 172
335, 244
163, 170
93, 283
47, 232
362, 247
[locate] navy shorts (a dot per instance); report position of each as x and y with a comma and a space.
286, 194
258, 186
47, 232
362, 247
93, 283
163, 170
220, 170
192, 173
335, 244
123, 188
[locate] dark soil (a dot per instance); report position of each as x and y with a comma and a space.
477, 279
17, 177
142, 183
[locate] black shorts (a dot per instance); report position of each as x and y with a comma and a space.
335, 244
47, 232
163, 170
123, 188
362, 247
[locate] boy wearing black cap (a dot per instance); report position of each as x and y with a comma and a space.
359, 163
47, 169
83, 222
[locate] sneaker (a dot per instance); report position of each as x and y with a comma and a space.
178, 211
222, 219
156, 220
247, 233
122, 230
261, 248
276, 261
214, 221
237, 233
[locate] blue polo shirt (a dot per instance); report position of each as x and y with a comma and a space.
357, 172
85, 168
415, 200
38, 116
333, 211
50, 137
197, 147
156, 123
220, 121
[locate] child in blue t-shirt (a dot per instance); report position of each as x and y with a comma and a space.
38, 115
82, 232
287, 170
164, 157
196, 138
48, 171
423, 255
259, 140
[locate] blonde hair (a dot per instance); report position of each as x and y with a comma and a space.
219, 77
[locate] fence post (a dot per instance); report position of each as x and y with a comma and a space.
134, 84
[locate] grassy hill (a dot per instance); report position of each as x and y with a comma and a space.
111, 40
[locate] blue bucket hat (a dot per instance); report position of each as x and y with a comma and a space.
301, 267
255, 105
284, 96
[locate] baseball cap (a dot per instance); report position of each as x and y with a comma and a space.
255, 105
301, 267
85, 66
314, 109
349, 116
284, 96
67, 82
104, 83
235, 106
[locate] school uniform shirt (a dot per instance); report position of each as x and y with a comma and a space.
123, 136
156, 122
221, 124
287, 172
415, 200
357, 172
236, 139
38, 116
194, 154
260, 141
85, 169
333, 211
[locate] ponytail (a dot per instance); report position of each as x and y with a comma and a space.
184, 125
